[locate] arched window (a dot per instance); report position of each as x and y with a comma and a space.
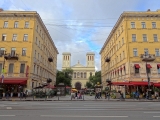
81, 75
90, 74
74, 75
78, 75
84, 75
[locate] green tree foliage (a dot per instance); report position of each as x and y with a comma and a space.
64, 76
94, 79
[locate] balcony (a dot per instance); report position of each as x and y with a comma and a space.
107, 59
9, 56
147, 58
50, 59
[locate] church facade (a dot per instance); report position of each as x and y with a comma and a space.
81, 73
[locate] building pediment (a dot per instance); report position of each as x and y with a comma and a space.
78, 65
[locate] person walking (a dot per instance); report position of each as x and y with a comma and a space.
137, 95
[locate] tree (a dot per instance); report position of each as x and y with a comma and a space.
64, 76
88, 84
94, 79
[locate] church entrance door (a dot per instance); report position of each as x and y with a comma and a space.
78, 86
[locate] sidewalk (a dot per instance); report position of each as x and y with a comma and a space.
68, 98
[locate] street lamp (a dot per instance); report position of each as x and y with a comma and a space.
148, 58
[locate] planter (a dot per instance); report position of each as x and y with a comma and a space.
140, 96
153, 96
128, 96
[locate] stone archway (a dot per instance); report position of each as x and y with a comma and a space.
78, 85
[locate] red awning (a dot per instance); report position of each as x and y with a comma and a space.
22, 81
157, 84
158, 65
121, 83
140, 83
137, 66
149, 66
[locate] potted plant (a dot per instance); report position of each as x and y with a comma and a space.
156, 90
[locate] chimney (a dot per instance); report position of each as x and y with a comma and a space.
1, 9
148, 10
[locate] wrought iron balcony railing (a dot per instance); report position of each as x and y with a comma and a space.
148, 57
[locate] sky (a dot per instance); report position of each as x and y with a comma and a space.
80, 26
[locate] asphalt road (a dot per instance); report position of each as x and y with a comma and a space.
79, 110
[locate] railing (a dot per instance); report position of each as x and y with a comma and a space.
11, 56
148, 57
107, 59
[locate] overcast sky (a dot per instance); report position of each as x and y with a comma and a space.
80, 26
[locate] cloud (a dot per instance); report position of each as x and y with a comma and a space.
79, 26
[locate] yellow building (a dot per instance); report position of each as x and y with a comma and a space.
122, 55
28, 53
81, 73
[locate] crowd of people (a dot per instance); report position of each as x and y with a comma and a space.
76, 95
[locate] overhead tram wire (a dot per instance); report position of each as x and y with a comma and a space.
77, 25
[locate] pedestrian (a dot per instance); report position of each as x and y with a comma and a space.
108, 95
7, 94
137, 95
96, 95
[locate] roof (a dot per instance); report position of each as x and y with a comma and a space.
78, 65
66, 53
25, 14
130, 14
90, 53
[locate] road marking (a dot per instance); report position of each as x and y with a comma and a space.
151, 112
109, 105
156, 116
7, 115
8, 108
83, 116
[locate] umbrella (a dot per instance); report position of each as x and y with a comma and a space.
75, 90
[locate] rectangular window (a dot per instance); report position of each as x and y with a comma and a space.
135, 53
146, 51
22, 67
16, 24
13, 51
157, 52
133, 37
4, 36
123, 55
14, 37
2, 52
23, 51
26, 24
35, 54
153, 24
5, 24
143, 24
132, 24
37, 28
155, 37
122, 41
144, 38
11, 65
25, 38
136, 70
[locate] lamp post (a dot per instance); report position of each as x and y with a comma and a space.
148, 58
